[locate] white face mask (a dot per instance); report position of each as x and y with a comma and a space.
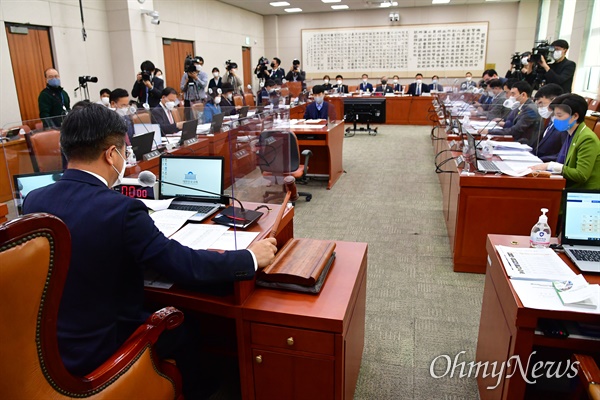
105, 100
122, 173
490, 93
511, 103
339, 82
326, 81
198, 67
216, 74
469, 79
123, 111
524, 60
233, 71
365, 80
170, 105
229, 96
217, 99
395, 80
557, 54
544, 112
418, 80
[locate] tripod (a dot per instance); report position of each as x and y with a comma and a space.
83, 88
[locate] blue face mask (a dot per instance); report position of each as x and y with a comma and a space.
319, 100
54, 82
563, 125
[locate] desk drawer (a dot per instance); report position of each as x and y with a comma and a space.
292, 339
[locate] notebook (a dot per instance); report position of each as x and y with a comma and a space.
188, 131
142, 144
581, 228
143, 128
200, 184
485, 165
25, 183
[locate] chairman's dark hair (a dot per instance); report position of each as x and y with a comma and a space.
89, 129
105, 91
118, 93
318, 89
549, 91
495, 83
339, 76
489, 72
523, 87
575, 102
147, 66
419, 74
167, 91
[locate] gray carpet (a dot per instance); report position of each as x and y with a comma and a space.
417, 307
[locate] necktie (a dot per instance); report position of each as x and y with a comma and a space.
418, 89
170, 116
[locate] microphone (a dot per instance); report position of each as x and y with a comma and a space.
147, 178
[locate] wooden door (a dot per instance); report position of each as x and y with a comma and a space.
247, 65
31, 55
174, 52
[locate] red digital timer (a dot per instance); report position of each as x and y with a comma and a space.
136, 191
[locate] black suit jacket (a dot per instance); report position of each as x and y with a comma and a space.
159, 117
227, 107
387, 89
213, 84
562, 74
154, 94
412, 88
344, 89
397, 87
550, 144
365, 87
312, 112
114, 241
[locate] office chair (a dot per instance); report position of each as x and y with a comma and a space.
589, 375
238, 100
44, 150
294, 88
279, 156
35, 252
249, 98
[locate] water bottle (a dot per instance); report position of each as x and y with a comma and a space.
540, 233
487, 150
131, 159
466, 158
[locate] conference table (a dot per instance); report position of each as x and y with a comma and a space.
478, 204
509, 329
286, 344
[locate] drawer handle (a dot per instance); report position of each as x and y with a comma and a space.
258, 359
290, 341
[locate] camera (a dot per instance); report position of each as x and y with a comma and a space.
516, 61
85, 79
145, 75
542, 49
261, 68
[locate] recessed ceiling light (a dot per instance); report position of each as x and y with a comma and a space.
293, 10
440, 1
331, 1
492, 0
280, 3
340, 7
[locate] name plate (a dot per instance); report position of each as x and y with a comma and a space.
191, 141
151, 155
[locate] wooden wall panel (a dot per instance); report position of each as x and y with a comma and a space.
174, 52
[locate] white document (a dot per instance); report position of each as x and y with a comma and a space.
157, 205
199, 236
534, 263
231, 240
511, 172
169, 221
513, 152
519, 166
510, 146
525, 157
542, 296
309, 126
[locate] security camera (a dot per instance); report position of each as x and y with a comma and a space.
155, 21
396, 17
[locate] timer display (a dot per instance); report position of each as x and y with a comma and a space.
136, 191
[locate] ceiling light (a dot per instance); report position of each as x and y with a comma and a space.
331, 1
387, 4
440, 1
340, 7
492, 0
293, 10
280, 4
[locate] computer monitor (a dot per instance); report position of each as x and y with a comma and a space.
25, 183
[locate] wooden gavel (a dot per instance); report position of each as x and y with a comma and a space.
291, 192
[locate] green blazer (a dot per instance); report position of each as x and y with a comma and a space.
582, 165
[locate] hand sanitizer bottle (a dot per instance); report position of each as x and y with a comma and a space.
540, 233
466, 158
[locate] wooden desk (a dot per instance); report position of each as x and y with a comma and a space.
14, 160
327, 330
478, 205
507, 328
327, 147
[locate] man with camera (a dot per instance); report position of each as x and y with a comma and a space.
296, 74
193, 85
53, 101
147, 88
562, 70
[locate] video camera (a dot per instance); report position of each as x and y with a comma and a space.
188, 64
296, 64
261, 70
542, 49
516, 61
85, 79
146, 75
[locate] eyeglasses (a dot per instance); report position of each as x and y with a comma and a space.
127, 153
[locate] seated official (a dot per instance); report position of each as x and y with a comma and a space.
212, 106
490, 74
496, 108
384, 87
579, 159
318, 109
162, 114
365, 86
339, 86
397, 86
326, 85
468, 83
435, 85
114, 241
526, 121
548, 144
227, 104
119, 102
418, 87
263, 95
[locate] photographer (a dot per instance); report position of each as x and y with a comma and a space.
53, 101
295, 74
277, 72
232, 78
262, 69
562, 70
147, 88
519, 66
193, 88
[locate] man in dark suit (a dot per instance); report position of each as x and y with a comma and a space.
496, 108
277, 73
548, 143
365, 86
435, 85
397, 86
147, 87
418, 87
339, 87
318, 109
162, 114
114, 241
384, 87
265, 92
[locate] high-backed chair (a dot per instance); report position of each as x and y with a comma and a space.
249, 98
279, 156
285, 92
238, 100
589, 375
35, 252
44, 150
142, 117
352, 88
295, 88
594, 105
597, 129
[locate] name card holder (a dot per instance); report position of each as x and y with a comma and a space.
151, 155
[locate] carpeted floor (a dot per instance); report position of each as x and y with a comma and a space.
417, 307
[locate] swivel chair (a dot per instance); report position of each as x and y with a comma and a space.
35, 252
44, 150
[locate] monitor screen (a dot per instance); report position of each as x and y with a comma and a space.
582, 216
24, 184
203, 173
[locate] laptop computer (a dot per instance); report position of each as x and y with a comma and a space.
200, 180
188, 131
581, 228
144, 128
142, 144
243, 113
217, 123
25, 183
484, 165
